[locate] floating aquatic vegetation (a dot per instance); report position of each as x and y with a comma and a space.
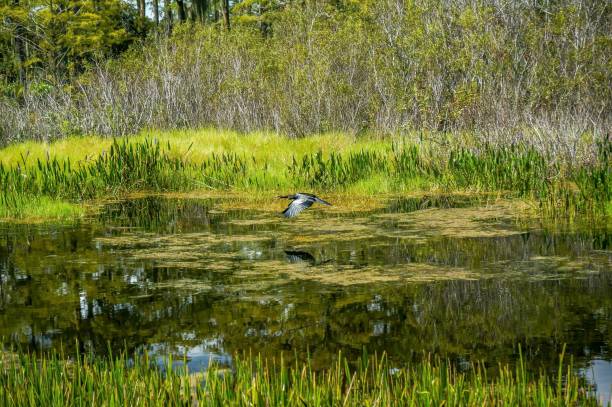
182, 240
253, 222
191, 285
322, 229
471, 222
564, 265
275, 273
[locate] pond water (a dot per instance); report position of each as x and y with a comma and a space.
462, 277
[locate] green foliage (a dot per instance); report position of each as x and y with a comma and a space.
52, 381
337, 170
516, 171
308, 67
124, 167
36, 208
49, 41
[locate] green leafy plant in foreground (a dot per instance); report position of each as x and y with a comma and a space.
51, 380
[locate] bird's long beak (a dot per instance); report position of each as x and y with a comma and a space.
282, 196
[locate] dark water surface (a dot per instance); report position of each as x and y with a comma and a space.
454, 276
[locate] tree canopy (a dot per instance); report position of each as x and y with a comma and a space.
53, 39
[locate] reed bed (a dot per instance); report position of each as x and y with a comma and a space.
52, 380
149, 165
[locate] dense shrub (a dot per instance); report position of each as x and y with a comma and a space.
507, 72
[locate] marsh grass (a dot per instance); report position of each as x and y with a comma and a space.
39, 208
265, 163
52, 380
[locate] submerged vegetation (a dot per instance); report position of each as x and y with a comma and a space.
62, 173
27, 379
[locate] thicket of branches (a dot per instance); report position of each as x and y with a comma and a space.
503, 71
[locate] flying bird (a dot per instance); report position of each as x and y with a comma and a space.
300, 201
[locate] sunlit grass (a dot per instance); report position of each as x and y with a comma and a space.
80, 169
196, 145
51, 380
42, 208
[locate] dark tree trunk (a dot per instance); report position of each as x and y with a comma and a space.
168, 15
200, 8
156, 11
226, 14
141, 8
264, 26
181, 10
20, 51
56, 55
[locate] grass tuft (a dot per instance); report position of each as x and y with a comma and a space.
328, 163
51, 380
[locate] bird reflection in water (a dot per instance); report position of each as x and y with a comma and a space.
298, 256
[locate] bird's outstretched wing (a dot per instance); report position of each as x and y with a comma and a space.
297, 206
319, 200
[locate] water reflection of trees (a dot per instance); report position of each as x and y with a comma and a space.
483, 319
57, 286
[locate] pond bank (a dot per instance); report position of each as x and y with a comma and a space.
52, 181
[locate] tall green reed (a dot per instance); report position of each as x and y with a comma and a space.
516, 171
124, 167
53, 380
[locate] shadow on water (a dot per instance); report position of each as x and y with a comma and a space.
463, 277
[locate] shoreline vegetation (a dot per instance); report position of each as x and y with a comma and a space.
52, 379
55, 181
